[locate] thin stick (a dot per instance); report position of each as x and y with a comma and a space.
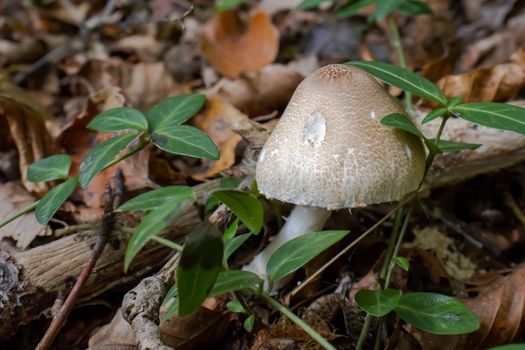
60, 317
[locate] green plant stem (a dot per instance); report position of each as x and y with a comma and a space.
167, 243
431, 156
295, 319
23, 211
74, 228
401, 236
398, 46
141, 145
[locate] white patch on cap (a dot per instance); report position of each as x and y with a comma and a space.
407, 150
350, 151
315, 130
262, 155
373, 115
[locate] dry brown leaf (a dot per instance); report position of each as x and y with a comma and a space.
501, 82
24, 229
116, 335
233, 47
215, 120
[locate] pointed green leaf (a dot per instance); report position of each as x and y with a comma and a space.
234, 280
454, 101
353, 8
174, 111
101, 155
245, 206
235, 306
494, 115
185, 140
248, 323
308, 4
119, 119
377, 303
402, 122
436, 113
386, 7
223, 5
294, 254
48, 169
447, 146
156, 198
231, 245
402, 262
49, 204
230, 231
436, 313
153, 222
199, 267
413, 8
402, 79
173, 308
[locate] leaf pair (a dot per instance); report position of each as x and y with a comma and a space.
431, 312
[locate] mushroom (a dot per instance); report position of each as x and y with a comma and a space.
329, 151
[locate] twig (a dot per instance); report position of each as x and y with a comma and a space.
60, 317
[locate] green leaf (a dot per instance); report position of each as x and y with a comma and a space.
174, 111
234, 280
308, 4
200, 264
377, 302
185, 140
153, 222
156, 198
230, 231
436, 113
49, 204
231, 245
402, 262
294, 254
510, 347
413, 8
235, 306
385, 7
353, 8
245, 206
223, 5
119, 119
447, 146
454, 101
173, 308
494, 115
227, 182
101, 155
402, 79
48, 169
402, 122
248, 323
436, 313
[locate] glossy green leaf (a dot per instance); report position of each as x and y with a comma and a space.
101, 155
230, 231
402, 262
447, 146
174, 111
234, 280
185, 140
294, 254
173, 308
402, 79
377, 302
494, 115
353, 8
436, 313
235, 306
153, 222
413, 8
248, 323
200, 264
227, 182
436, 113
49, 204
48, 169
231, 245
386, 7
454, 101
402, 122
156, 198
245, 206
119, 119
308, 4
223, 5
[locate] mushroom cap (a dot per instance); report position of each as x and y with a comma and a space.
329, 149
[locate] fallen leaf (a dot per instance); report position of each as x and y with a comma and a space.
233, 47
116, 335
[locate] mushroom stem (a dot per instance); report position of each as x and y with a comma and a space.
302, 219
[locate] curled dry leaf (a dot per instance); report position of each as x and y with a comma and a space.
26, 121
24, 229
232, 46
501, 82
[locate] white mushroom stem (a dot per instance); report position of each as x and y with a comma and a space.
302, 219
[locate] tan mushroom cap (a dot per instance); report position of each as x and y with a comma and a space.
329, 149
